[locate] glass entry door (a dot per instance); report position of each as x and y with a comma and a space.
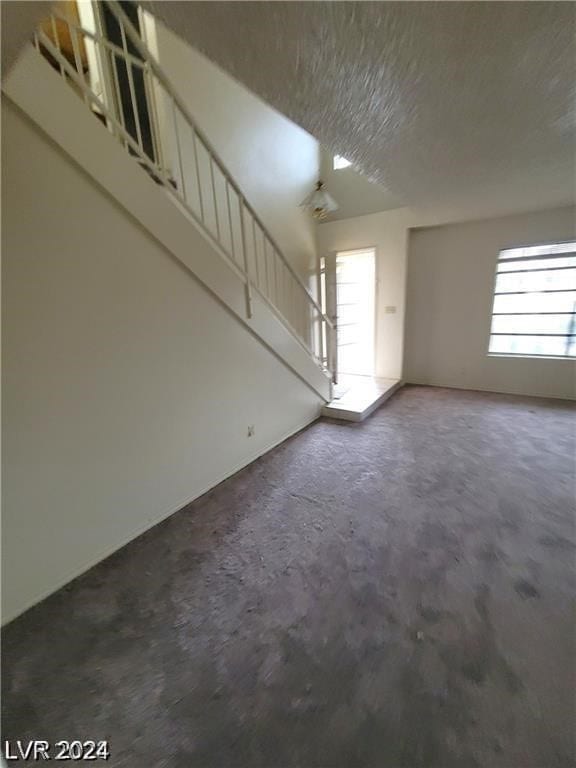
350, 302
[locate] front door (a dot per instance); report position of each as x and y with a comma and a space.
350, 292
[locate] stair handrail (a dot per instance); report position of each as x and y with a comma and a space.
160, 74
122, 56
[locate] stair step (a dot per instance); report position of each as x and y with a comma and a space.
356, 397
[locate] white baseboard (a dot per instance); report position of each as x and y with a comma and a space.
518, 393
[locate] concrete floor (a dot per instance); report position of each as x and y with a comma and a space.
395, 594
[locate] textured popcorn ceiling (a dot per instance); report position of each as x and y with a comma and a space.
439, 102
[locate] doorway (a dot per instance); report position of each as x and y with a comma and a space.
350, 295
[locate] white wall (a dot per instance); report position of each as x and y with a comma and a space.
387, 232
449, 303
448, 297
127, 388
275, 162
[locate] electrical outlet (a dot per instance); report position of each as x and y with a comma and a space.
251, 430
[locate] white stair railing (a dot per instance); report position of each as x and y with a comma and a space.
106, 60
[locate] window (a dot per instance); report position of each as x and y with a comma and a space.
132, 94
534, 310
340, 163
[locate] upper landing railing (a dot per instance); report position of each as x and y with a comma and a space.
99, 49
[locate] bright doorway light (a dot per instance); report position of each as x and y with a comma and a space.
340, 163
355, 309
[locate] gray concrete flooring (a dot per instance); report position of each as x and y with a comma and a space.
391, 594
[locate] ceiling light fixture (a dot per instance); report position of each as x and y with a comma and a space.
319, 202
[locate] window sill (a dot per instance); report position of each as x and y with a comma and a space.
509, 356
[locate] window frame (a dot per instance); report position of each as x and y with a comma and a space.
522, 356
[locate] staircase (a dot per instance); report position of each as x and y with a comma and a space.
104, 59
